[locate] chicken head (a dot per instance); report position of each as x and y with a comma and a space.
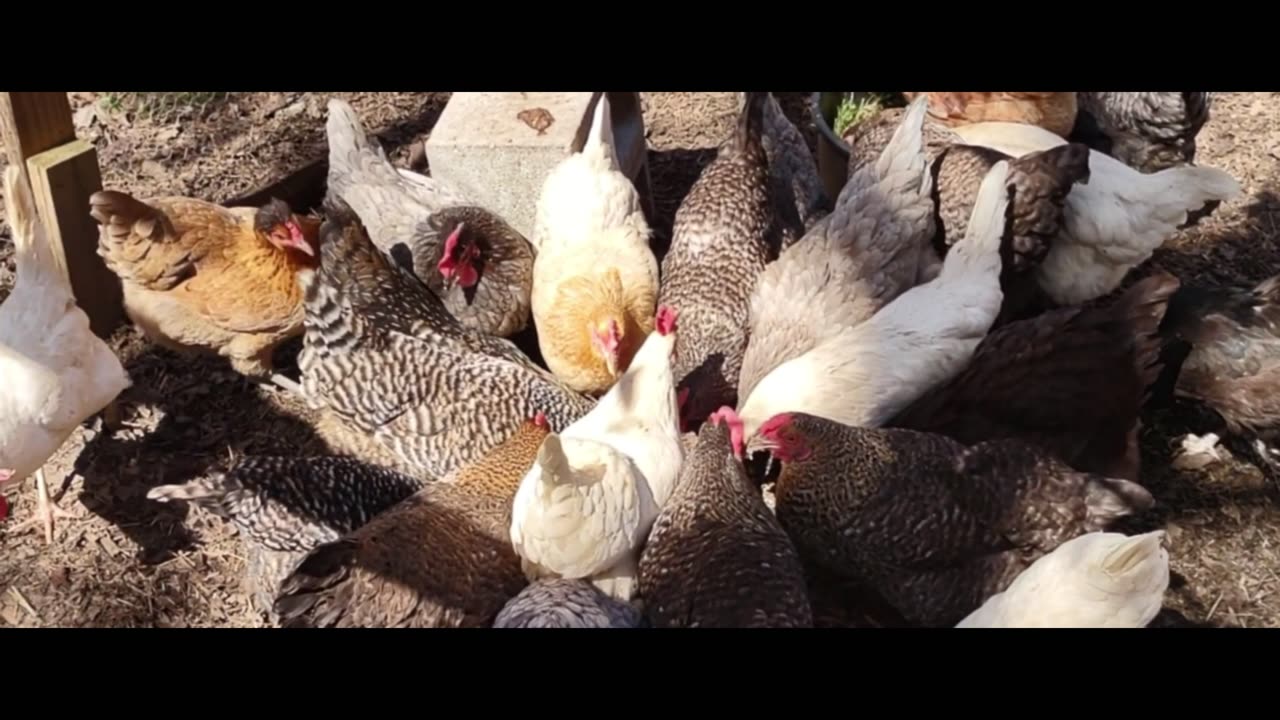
458, 264
282, 228
606, 340
781, 438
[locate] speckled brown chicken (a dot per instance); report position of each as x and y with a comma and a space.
716, 556
441, 558
385, 357
931, 526
561, 603
726, 230
1072, 381
285, 506
1232, 363
1148, 131
480, 266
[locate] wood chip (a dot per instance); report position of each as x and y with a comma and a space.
110, 546
22, 602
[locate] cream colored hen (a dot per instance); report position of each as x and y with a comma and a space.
56, 372
595, 278
1114, 222
1097, 580
584, 509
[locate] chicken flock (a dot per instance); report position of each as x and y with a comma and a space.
925, 390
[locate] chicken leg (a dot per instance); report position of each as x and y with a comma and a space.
46, 510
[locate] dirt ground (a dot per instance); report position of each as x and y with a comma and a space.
135, 563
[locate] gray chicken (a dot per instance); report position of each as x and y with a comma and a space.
284, 507
384, 356
480, 266
726, 230
799, 197
932, 527
716, 556
441, 558
1148, 131
561, 603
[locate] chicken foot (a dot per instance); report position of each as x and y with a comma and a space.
46, 510
287, 384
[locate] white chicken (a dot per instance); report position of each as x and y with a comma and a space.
1114, 222
1097, 580
865, 375
57, 372
595, 278
585, 508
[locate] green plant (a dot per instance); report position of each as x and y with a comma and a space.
161, 105
855, 110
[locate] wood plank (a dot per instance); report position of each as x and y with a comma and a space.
31, 123
62, 180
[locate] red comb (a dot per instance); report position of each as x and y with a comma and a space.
447, 263
295, 232
541, 420
734, 422
666, 320
774, 423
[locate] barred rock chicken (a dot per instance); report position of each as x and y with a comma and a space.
717, 557
584, 509
560, 603
931, 526
479, 266
1097, 580
1230, 339
1148, 131
386, 358
284, 507
1115, 221
871, 248
441, 558
56, 372
595, 280
867, 139
800, 199
1053, 111
726, 230
199, 276
1072, 381
867, 374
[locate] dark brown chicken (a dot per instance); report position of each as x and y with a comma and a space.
1232, 363
931, 526
384, 356
480, 266
716, 556
284, 507
442, 558
1072, 381
726, 230
1148, 131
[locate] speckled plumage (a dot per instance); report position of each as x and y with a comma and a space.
286, 506
409, 216
1073, 380
800, 199
725, 231
870, 249
560, 603
868, 139
1233, 364
1148, 131
717, 557
383, 354
931, 526
441, 558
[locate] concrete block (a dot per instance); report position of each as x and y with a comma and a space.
498, 147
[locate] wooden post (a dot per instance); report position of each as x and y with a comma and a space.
39, 137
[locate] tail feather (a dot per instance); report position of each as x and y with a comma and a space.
1109, 499
208, 492
1133, 552
1143, 307
985, 233
601, 134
